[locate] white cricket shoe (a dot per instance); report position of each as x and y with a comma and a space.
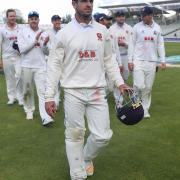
20, 103
11, 102
79, 174
146, 114
29, 115
46, 122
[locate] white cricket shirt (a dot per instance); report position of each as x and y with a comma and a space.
147, 43
79, 57
32, 55
7, 37
123, 33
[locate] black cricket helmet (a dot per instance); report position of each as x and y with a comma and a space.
131, 112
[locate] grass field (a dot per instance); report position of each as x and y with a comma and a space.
147, 151
172, 48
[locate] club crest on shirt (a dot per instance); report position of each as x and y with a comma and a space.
99, 36
127, 31
155, 33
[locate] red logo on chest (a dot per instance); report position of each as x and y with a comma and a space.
12, 38
99, 36
87, 54
149, 38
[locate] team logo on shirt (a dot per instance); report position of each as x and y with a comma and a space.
13, 38
37, 45
155, 32
149, 38
87, 55
121, 38
99, 36
127, 31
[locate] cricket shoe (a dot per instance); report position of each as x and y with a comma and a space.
20, 103
89, 168
146, 115
79, 174
11, 102
46, 122
78, 178
29, 115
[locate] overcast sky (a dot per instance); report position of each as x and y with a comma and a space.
62, 7
45, 8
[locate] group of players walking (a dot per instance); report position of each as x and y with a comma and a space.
82, 58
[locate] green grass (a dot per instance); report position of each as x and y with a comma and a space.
172, 48
147, 151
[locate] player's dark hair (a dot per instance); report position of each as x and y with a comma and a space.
9, 10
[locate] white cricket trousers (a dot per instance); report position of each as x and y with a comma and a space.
143, 79
92, 104
125, 73
12, 71
31, 76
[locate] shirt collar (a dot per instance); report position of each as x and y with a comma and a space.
38, 30
55, 31
120, 26
84, 25
151, 26
15, 27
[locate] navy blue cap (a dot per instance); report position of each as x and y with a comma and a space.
55, 17
119, 13
147, 10
33, 14
96, 16
100, 16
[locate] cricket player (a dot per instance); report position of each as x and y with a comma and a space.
48, 42
122, 33
103, 19
81, 54
146, 49
33, 67
11, 58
